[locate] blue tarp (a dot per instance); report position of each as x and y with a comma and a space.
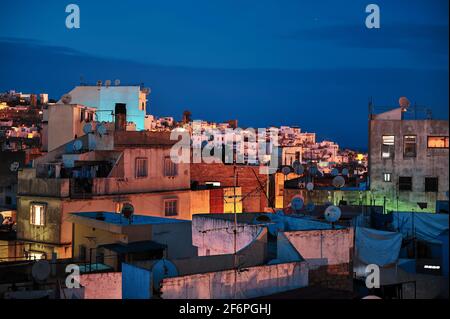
376, 246
423, 226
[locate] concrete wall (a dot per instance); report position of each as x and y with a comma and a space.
230, 284
63, 124
333, 246
102, 285
427, 163
104, 98
136, 282
256, 202
215, 236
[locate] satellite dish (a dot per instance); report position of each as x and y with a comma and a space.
285, 170
298, 168
310, 186
117, 82
14, 166
66, 98
297, 203
146, 91
334, 172
99, 83
332, 214
108, 83
345, 172
101, 129
77, 145
41, 270
127, 210
338, 181
87, 128
404, 102
163, 269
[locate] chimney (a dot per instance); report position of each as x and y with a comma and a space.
120, 117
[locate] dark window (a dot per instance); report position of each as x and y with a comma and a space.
141, 167
409, 146
404, 183
431, 184
8, 200
170, 168
171, 207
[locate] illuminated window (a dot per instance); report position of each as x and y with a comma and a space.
431, 184
388, 146
141, 167
437, 142
171, 207
404, 183
409, 146
170, 168
37, 214
387, 177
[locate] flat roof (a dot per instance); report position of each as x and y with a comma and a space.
135, 247
118, 219
291, 223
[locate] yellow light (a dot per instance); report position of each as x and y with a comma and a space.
360, 157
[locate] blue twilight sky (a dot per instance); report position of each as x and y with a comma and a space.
307, 63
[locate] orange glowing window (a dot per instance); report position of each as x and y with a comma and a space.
437, 142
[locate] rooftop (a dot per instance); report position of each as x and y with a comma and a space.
290, 223
119, 219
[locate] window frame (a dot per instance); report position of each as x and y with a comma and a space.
170, 170
390, 146
170, 201
42, 216
409, 142
136, 167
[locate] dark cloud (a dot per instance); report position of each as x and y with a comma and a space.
425, 38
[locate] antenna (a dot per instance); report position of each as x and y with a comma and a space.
66, 98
